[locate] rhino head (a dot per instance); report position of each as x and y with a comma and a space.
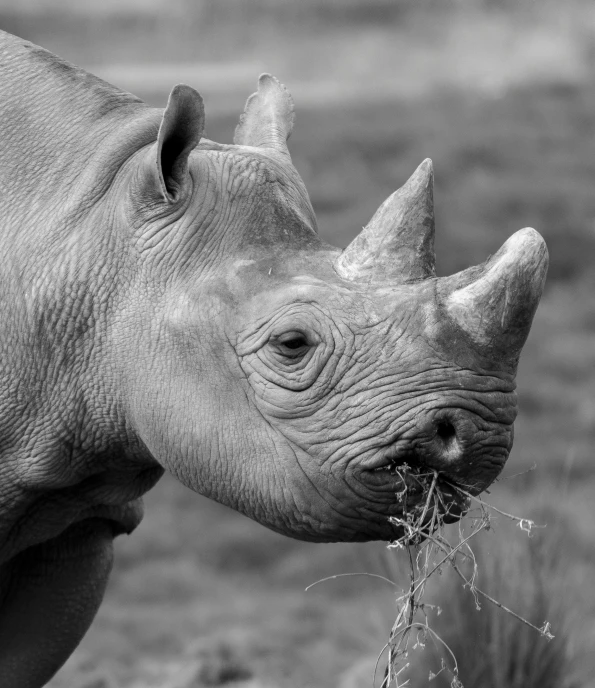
287, 378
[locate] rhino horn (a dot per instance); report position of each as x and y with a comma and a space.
398, 242
496, 307
267, 120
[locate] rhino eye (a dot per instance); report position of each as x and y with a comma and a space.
292, 344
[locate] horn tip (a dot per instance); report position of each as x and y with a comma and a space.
422, 179
528, 243
528, 237
426, 169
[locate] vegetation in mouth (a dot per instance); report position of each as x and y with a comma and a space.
428, 550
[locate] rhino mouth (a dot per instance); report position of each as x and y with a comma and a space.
421, 495
429, 500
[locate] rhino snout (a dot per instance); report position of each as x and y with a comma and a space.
459, 445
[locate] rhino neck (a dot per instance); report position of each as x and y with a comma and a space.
66, 137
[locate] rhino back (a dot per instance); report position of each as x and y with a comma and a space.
51, 114
64, 136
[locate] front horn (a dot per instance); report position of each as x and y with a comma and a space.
397, 245
496, 305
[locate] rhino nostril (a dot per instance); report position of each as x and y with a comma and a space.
447, 438
446, 432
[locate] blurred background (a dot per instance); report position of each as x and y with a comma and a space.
501, 95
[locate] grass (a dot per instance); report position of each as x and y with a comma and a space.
504, 103
514, 659
505, 653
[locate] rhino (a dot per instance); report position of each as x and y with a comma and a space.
167, 304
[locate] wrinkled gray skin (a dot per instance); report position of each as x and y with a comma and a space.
167, 305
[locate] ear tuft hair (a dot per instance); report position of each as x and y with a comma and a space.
267, 120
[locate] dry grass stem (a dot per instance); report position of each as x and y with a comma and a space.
428, 500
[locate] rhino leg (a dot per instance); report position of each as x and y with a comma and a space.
50, 595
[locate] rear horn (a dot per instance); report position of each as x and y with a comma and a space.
397, 245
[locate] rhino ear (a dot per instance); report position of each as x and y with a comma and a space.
180, 132
496, 306
267, 120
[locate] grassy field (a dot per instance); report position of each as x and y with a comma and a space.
503, 100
